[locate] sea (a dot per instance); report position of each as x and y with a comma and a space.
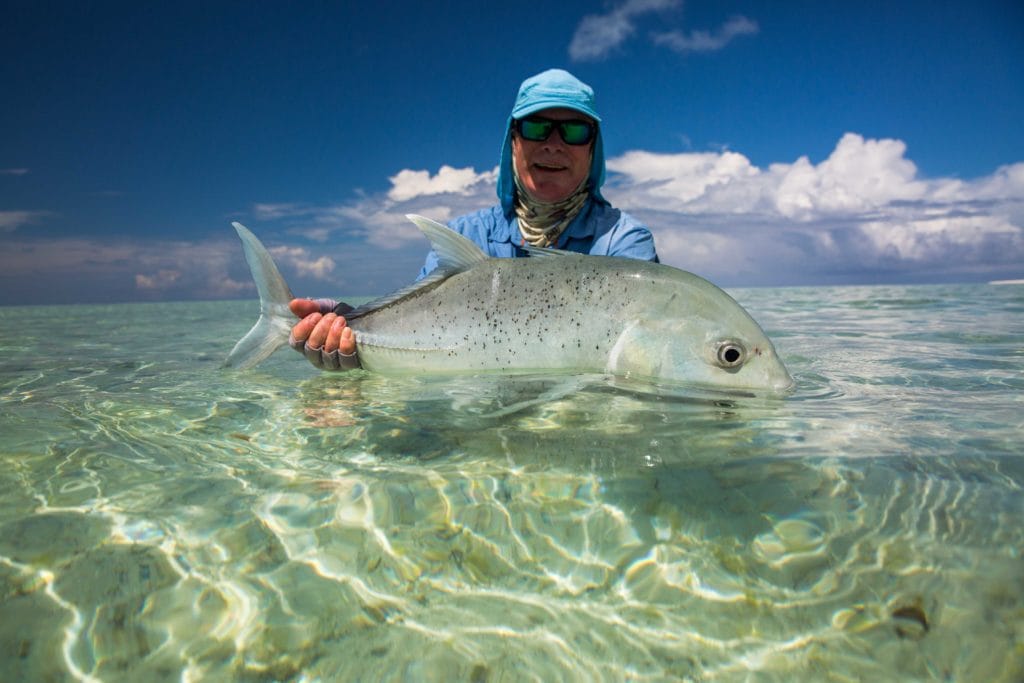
164, 519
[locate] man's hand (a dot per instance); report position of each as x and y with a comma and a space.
319, 335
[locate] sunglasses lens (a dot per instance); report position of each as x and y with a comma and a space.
576, 132
535, 129
573, 132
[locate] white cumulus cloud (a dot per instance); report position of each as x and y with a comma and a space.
864, 209
670, 181
859, 175
407, 184
921, 239
304, 263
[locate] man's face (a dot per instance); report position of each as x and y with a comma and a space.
550, 169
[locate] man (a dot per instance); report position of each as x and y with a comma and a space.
549, 183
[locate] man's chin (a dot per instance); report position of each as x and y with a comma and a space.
550, 186
551, 194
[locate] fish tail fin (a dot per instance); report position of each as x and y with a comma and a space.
271, 330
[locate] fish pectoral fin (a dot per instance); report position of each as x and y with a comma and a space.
453, 250
639, 351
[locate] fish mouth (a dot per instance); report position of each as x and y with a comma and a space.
784, 385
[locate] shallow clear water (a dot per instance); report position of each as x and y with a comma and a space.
163, 519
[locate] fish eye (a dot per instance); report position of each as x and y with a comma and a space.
730, 354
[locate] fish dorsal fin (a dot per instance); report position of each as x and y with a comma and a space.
541, 252
455, 254
454, 251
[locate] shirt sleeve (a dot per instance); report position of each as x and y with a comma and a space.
632, 239
429, 264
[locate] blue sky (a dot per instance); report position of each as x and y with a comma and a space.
766, 143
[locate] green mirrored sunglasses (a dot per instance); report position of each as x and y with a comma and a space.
538, 129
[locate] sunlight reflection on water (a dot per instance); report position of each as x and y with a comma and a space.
161, 519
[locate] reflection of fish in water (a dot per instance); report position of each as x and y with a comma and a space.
553, 312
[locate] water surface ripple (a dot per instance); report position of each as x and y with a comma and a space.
164, 520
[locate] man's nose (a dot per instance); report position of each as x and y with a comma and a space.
555, 139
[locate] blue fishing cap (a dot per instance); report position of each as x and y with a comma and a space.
548, 90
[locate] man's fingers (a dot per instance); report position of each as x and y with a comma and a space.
334, 335
303, 307
318, 336
303, 328
340, 337
347, 344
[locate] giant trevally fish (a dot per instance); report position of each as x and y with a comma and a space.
552, 312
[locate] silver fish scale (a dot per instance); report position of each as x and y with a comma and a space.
504, 314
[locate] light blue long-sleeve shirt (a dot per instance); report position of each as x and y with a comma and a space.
599, 230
